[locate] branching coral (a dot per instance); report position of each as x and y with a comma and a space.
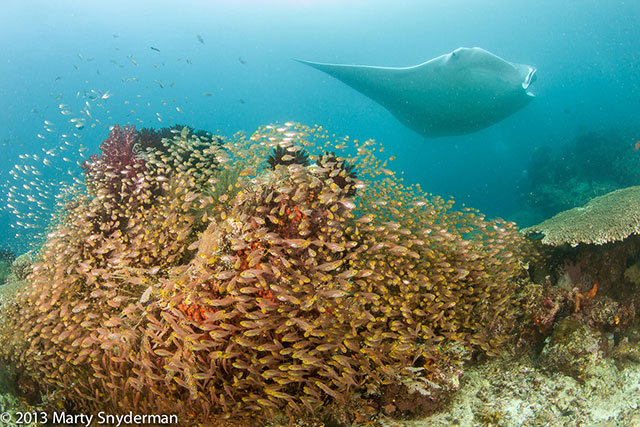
287, 156
285, 291
115, 172
339, 171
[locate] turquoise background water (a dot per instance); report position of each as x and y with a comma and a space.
242, 76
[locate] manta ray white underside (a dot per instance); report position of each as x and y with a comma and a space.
454, 94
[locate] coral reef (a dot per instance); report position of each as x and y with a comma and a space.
152, 139
6, 259
187, 279
590, 283
21, 267
14, 407
628, 348
573, 349
116, 173
589, 270
340, 171
510, 392
592, 164
632, 273
608, 218
583, 299
288, 156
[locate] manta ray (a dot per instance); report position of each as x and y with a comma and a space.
454, 94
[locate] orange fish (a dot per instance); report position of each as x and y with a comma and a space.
637, 146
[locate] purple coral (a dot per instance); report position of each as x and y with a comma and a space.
116, 152
573, 269
116, 170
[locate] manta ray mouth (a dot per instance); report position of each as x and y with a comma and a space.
528, 81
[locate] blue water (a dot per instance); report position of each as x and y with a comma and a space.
242, 76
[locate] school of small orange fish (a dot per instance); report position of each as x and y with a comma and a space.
224, 289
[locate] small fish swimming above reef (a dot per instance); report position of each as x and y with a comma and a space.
457, 93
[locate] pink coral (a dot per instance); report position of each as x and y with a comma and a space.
573, 269
117, 166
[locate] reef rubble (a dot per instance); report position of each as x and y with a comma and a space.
511, 392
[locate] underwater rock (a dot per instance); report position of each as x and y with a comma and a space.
510, 392
628, 347
632, 274
21, 267
627, 350
573, 349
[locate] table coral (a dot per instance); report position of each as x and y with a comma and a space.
608, 218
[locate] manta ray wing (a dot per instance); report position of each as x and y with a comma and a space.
454, 94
